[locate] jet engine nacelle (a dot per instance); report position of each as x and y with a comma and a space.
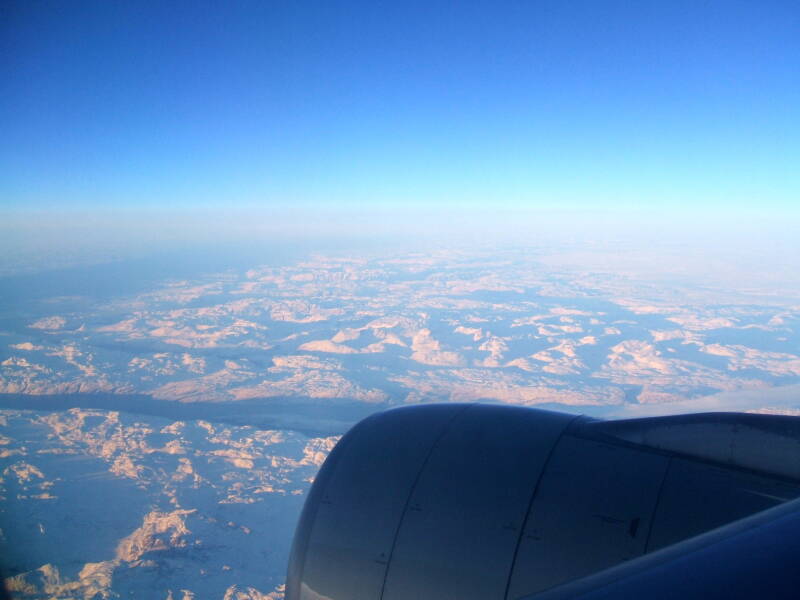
482, 502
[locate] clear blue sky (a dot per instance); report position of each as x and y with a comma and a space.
531, 103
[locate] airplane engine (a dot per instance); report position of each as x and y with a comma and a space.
483, 501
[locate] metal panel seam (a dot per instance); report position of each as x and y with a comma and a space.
655, 508
530, 503
335, 454
413, 488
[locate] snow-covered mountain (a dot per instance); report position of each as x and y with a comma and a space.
443, 326
159, 444
98, 504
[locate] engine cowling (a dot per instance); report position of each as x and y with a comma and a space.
479, 501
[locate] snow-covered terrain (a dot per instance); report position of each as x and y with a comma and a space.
98, 504
449, 326
159, 444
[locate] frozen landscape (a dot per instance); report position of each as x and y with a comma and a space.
523, 326
230, 231
159, 443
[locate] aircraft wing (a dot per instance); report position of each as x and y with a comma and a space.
480, 501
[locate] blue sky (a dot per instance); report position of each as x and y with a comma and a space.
384, 104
